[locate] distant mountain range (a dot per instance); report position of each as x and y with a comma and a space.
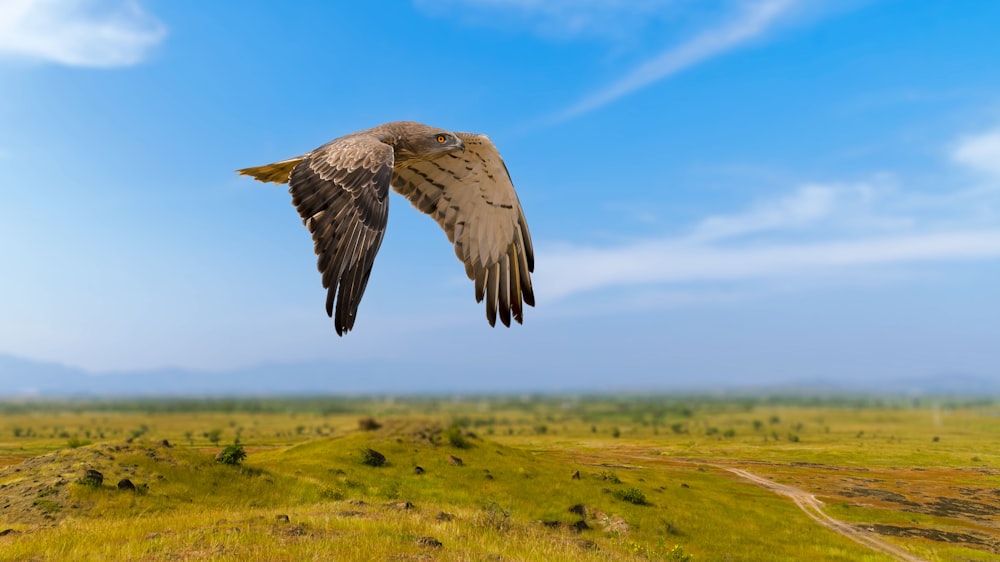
25, 378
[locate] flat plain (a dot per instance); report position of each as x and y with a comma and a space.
501, 478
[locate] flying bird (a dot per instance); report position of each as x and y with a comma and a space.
341, 191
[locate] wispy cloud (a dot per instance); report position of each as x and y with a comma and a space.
753, 21
670, 261
87, 33
560, 19
815, 229
980, 152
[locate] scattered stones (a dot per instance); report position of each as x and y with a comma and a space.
282, 518
418, 470
6, 532
429, 542
444, 516
575, 475
368, 424
579, 509
401, 505
609, 523
586, 544
126, 485
455, 461
684, 485
350, 513
371, 457
92, 478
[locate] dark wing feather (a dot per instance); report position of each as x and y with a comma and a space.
341, 192
471, 196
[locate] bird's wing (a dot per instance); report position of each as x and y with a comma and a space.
341, 192
471, 196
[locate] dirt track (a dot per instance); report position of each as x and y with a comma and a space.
813, 508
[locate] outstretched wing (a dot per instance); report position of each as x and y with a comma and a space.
471, 196
341, 192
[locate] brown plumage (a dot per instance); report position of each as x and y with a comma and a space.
341, 191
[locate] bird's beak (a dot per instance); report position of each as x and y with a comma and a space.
461, 144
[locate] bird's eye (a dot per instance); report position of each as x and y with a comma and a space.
440, 138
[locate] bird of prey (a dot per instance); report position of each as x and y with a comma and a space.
341, 191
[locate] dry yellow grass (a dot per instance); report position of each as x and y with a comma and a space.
895, 467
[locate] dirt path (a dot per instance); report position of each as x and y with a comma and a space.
813, 508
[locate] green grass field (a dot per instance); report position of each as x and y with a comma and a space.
506, 478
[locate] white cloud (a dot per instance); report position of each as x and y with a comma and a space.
816, 229
88, 33
980, 152
865, 206
756, 19
575, 270
807, 205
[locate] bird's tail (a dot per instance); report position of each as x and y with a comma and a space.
277, 172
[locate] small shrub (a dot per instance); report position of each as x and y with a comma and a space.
454, 436
610, 476
139, 431
494, 517
75, 442
368, 424
331, 494
616, 433
631, 495
371, 457
231, 455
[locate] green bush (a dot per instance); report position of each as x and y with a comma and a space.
232, 455
631, 495
456, 438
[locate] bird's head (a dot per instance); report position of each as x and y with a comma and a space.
420, 142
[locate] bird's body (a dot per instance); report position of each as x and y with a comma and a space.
341, 191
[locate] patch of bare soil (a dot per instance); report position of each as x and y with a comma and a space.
984, 542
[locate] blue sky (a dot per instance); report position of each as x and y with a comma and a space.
727, 191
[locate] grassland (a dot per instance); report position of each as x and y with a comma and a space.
507, 478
